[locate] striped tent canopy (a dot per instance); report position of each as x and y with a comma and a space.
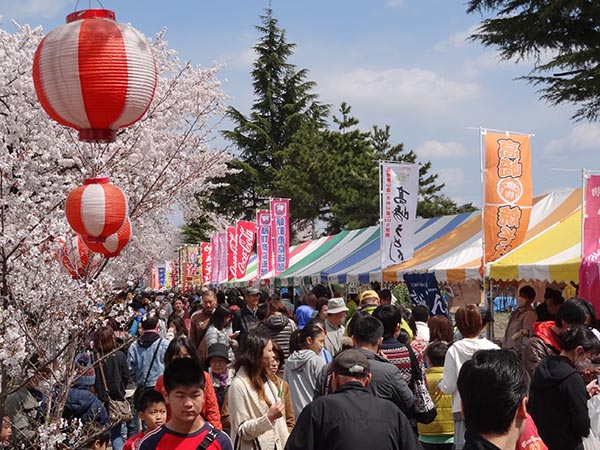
449, 246
553, 255
457, 256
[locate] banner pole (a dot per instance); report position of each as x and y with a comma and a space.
584, 174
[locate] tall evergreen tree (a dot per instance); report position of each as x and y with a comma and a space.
561, 36
283, 103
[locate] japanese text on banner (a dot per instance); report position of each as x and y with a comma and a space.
263, 243
281, 233
508, 193
399, 195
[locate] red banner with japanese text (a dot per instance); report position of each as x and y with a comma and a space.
205, 249
280, 221
508, 192
231, 252
245, 243
589, 277
263, 243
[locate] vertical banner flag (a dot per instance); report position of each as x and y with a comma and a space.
162, 274
399, 195
280, 221
232, 252
589, 278
263, 243
245, 244
424, 290
508, 193
205, 249
222, 277
214, 256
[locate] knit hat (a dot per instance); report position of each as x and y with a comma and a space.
217, 349
83, 366
351, 363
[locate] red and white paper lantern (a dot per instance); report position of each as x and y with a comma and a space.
114, 243
75, 257
94, 74
97, 209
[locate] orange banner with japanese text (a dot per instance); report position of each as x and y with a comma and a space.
508, 192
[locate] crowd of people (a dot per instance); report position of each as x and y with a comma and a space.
225, 370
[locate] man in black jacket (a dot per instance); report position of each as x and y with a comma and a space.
387, 380
352, 418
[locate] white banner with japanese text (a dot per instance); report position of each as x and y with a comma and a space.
399, 195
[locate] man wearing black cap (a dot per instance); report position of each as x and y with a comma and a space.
246, 319
352, 418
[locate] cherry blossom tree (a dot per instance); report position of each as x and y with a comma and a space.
160, 163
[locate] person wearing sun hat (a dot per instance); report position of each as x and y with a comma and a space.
334, 324
356, 419
368, 301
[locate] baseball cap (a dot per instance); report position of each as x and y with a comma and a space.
252, 291
336, 305
351, 363
368, 294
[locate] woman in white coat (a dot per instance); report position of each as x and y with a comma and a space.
256, 406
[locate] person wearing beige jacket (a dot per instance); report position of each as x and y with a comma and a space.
256, 407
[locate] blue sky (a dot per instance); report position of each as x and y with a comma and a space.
405, 63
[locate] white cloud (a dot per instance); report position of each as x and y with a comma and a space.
408, 90
436, 149
243, 59
395, 3
452, 177
16, 9
456, 40
582, 138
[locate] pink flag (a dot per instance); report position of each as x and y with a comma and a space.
222, 273
280, 211
263, 244
232, 252
245, 244
214, 255
589, 278
205, 249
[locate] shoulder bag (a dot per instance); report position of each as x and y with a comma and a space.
425, 411
118, 410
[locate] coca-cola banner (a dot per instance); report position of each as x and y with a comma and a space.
280, 211
263, 243
205, 249
232, 252
214, 256
245, 244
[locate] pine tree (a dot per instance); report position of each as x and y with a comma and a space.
283, 104
561, 36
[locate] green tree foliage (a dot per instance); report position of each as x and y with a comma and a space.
198, 231
283, 105
563, 38
286, 149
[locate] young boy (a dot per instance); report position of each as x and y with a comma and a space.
184, 384
100, 442
439, 434
153, 412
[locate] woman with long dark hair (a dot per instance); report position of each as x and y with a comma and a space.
216, 332
304, 365
559, 395
112, 375
256, 407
